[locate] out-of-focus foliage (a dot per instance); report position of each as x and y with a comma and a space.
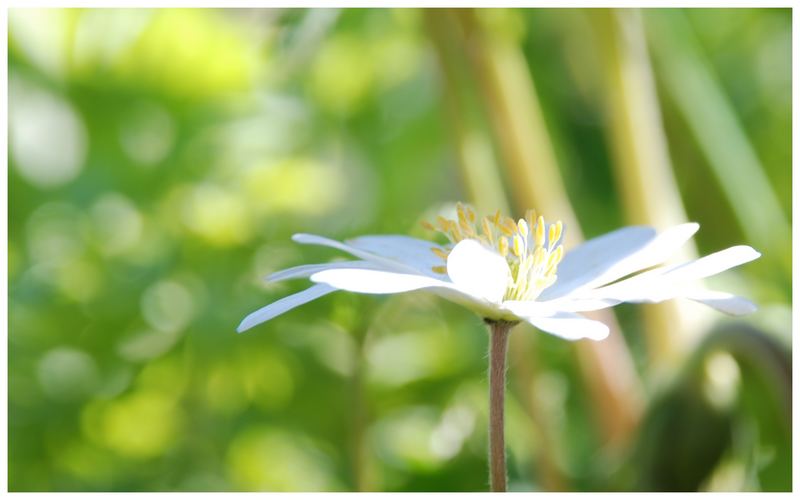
159, 161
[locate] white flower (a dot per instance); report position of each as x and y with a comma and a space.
517, 271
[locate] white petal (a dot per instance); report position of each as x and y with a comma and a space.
724, 302
385, 282
478, 271
671, 282
570, 326
377, 282
573, 304
283, 305
312, 239
585, 262
615, 255
530, 308
713, 264
307, 270
403, 249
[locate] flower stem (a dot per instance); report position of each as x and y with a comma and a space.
498, 345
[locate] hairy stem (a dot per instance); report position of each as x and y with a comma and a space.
498, 345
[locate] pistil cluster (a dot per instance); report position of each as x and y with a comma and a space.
531, 247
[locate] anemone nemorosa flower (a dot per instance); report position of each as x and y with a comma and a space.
518, 271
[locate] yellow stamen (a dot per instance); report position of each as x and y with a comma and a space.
509, 226
470, 215
502, 246
440, 253
529, 245
487, 230
540, 231
523, 227
462, 218
518, 245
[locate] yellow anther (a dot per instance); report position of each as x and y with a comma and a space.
440, 253
502, 246
505, 229
523, 227
518, 245
540, 231
532, 264
509, 226
487, 230
462, 217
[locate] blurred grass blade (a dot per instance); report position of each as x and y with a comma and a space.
692, 84
475, 156
642, 168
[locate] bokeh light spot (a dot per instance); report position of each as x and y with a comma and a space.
261, 459
404, 439
40, 34
79, 279
116, 223
167, 306
455, 426
66, 373
268, 380
141, 425
102, 35
147, 134
341, 76
721, 385
217, 215
297, 185
54, 234
47, 138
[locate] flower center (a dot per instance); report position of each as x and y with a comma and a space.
531, 247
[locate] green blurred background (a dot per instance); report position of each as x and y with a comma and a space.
160, 160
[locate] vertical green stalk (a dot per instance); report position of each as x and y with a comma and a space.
642, 167
474, 150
